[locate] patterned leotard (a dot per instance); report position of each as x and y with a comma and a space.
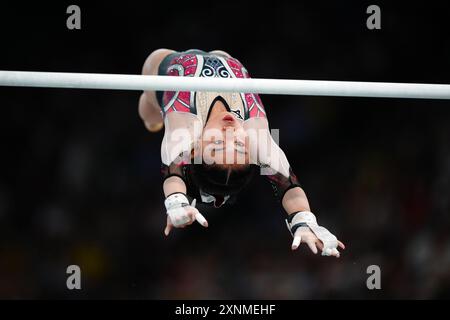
196, 63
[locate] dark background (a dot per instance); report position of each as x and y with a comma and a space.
80, 176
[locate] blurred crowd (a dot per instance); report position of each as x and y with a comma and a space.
80, 176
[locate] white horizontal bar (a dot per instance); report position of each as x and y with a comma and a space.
267, 86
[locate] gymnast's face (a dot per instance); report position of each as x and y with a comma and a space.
224, 140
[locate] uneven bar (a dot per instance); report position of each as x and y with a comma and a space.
263, 86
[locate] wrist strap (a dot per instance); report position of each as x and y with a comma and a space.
176, 200
300, 219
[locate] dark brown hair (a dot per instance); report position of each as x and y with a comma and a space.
220, 179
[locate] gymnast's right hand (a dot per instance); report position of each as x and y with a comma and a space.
180, 213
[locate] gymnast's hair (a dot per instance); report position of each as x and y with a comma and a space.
222, 180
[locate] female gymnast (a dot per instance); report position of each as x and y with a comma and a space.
215, 142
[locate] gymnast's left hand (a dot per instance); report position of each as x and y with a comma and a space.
305, 229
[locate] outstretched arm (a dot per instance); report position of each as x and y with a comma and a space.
179, 137
301, 221
265, 152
